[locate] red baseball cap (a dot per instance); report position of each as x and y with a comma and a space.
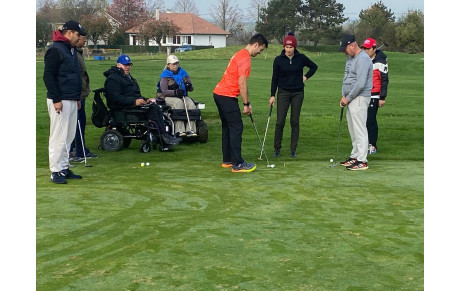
370, 42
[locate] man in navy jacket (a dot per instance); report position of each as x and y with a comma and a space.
63, 83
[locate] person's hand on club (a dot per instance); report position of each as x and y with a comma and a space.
271, 102
179, 93
151, 100
343, 101
247, 109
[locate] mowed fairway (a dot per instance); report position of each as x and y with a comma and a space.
185, 223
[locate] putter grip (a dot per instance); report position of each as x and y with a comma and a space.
341, 113
252, 120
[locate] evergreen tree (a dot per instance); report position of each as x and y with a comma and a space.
279, 18
322, 18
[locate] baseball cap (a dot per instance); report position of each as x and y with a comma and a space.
370, 42
73, 25
172, 59
345, 41
124, 60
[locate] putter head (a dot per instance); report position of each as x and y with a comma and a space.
260, 159
271, 166
333, 165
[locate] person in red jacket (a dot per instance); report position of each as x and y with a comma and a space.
378, 92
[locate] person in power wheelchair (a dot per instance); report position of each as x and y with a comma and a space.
173, 86
122, 92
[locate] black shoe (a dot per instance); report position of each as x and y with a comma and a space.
70, 175
276, 154
91, 155
169, 140
58, 178
293, 154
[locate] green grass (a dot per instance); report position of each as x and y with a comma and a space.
185, 223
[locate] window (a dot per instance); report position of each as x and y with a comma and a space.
176, 39
187, 39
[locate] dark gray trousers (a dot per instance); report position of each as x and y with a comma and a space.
284, 100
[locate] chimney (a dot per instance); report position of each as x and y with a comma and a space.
157, 14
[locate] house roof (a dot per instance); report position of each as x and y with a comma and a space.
188, 23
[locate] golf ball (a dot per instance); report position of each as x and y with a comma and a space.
331, 160
142, 164
147, 164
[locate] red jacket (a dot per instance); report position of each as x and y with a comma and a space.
380, 75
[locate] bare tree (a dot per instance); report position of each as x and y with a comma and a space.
255, 7
74, 9
129, 12
152, 5
157, 30
97, 27
226, 14
185, 6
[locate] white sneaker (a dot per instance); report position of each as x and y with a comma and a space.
372, 149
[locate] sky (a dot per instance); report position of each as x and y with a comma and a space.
352, 7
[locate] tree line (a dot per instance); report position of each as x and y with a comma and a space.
314, 22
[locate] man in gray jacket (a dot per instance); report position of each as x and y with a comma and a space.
77, 144
356, 95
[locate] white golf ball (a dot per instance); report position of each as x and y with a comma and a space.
147, 164
142, 164
331, 160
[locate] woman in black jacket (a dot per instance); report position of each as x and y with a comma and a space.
289, 79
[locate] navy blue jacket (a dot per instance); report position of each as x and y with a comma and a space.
121, 90
62, 71
288, 74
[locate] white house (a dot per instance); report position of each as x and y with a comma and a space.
193, 30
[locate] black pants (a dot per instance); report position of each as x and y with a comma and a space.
77, 142
154, 113
371, 124
284, 100
232, 128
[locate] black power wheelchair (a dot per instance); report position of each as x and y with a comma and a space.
123, 126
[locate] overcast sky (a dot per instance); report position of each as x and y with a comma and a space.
352, 7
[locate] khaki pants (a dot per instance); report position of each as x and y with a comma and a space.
356, 118
62, 133
178, 103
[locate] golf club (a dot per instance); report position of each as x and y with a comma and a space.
384, 44
258, 136
65, 141
82, 143
186, 112
338, 138
265, 135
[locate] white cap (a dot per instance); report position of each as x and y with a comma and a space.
172, 59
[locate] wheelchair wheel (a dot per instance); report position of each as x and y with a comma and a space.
145, 146
202, 129
111, 140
